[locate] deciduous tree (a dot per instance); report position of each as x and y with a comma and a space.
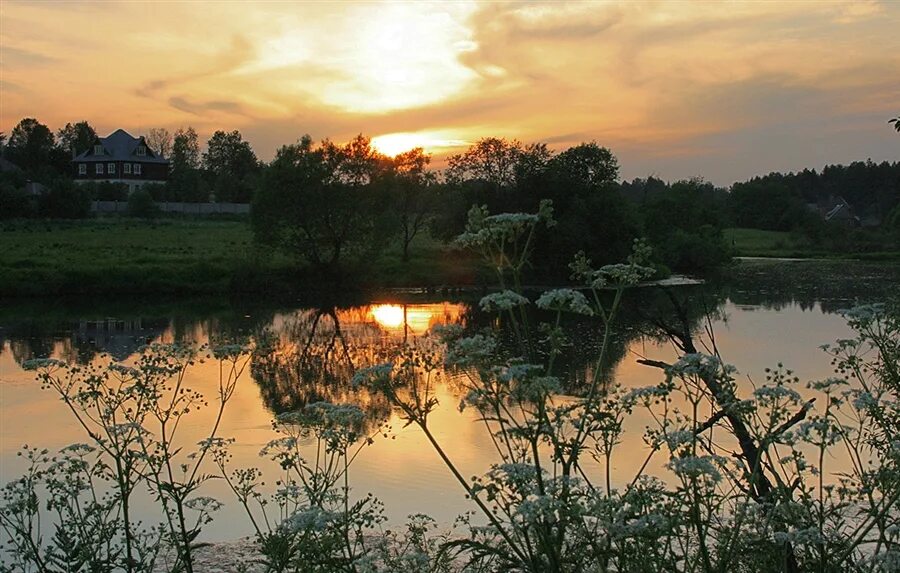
76, 138
160, 141
324, 203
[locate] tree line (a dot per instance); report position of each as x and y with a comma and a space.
226, 171
332, 205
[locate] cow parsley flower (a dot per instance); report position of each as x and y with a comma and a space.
500, 301
471, 350
565, 299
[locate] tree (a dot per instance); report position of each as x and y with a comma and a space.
160, 141
412, 189
684, 225
323, 204
896, 122
588, 164
31, 145
186, 149
185, 183
76, 138
491, 160
230, 164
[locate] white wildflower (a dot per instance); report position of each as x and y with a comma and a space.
500, 301
565, 299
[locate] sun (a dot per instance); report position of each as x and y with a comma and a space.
392, 144
396, 143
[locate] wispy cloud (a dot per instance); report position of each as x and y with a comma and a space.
675, 88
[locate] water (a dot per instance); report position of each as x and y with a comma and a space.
768, 313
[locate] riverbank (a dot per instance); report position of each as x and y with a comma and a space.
758, 243
121, 256
188, 257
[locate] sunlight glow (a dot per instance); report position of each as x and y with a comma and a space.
392, 144
389, 316
414, 319
401, 56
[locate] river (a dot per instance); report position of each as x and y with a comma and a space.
766, 313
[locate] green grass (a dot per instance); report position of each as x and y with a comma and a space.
782, 244
184, 256
123, 255
756, 242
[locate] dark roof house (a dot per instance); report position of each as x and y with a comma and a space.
121, 158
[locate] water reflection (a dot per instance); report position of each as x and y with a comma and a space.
758, 319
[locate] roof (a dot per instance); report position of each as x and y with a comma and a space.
120, 146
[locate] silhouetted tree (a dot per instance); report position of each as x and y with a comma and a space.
412, 187
896, 122
160, 141
185, 182
490, 160
684, 225
324, 204
230, 163
75, 138
32, 147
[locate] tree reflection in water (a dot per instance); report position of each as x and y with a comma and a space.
311, 355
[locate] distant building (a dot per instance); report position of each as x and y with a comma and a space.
121, 158
836, 209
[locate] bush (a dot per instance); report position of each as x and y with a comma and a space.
65, 200
141, 204
15, 202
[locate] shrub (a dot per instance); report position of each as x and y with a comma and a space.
65, 199
141, 204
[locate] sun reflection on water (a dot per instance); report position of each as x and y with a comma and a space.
414, 318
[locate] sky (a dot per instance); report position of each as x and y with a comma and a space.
721, 90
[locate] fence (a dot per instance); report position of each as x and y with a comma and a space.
176, 207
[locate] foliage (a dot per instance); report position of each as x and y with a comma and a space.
160, 141
130, 415
76, 138
412, 188
684, 225
185, 181
32, 147
510, 176
14, 201
141, 204
230, 165
773, 505
749, 482
324, 204
65, 199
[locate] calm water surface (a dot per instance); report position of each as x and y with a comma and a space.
770, 313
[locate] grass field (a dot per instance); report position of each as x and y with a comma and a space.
182, 256
756, 242
782, 244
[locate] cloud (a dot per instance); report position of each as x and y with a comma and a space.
16, 57
202, 107
675, 88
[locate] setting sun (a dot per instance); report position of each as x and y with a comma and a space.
392, 144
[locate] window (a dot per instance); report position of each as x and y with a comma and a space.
98, 169
141, 150
98, 150
137, 168
111, 168
82, 169
127, 168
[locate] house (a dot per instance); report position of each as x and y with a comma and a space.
121, 158
835, 209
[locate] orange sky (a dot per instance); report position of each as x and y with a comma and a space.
724, 90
